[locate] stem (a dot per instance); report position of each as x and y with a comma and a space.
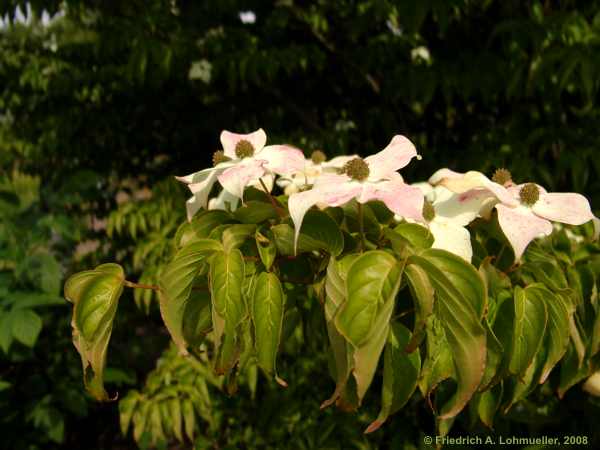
141, 286
499, 255
278, 208
361, 227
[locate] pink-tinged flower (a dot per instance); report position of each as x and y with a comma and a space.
447, 214
244, 161
525, 211
314, 167
372, 178
255, 160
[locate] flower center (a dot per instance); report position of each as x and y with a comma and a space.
244, 149
357, 169
219, 157
529, 194
501, 176
318, 157
428, 211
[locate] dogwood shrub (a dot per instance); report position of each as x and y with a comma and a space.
442, 288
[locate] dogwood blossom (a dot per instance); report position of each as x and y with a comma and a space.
314, 167
244, 161
446, 215
372, 178
525, 211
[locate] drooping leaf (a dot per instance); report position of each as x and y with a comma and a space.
235, 235
255, 212
365, 358
373, 278
400, 374
319, 232
531, 317
176, 281
438, 364
418, 236
197, 317
95, 295
267, 250
489, 404
335, 296
226, 279
201, 226
267, 316
557, 330
460, 304
423, 295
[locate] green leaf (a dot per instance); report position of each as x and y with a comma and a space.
265, 242
319, 232
373, 278
439, 364
366, 357
255, 212
95, 296
489, 404
423, 295
460, 300
462, 276
226, 280
197, 318
530, 321
201, 226
335, 296
26, 326
127, 407
400, 374
418, 236
6, 336
267, 316
189, 418
176, 281
235, 235
494, 355
174, 409
50, 274
557, 329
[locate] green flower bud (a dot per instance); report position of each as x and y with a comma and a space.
219, 157
318, 157
244, 149
357, 169
529, 194
428, 211
501, 176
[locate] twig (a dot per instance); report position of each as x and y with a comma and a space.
362, 226
278, 208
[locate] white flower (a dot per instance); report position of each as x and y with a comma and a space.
374, 178
244, 161
525, 211
314, 167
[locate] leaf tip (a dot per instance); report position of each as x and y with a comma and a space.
374, 426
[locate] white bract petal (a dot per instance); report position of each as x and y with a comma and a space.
224, 201
395, 156
236, 178
229, 140
451, 237
520, 226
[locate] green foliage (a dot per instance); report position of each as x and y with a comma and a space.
484, 341
115, 96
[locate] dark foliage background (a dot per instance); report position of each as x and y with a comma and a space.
101, 102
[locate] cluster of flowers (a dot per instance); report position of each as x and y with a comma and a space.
446, 203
